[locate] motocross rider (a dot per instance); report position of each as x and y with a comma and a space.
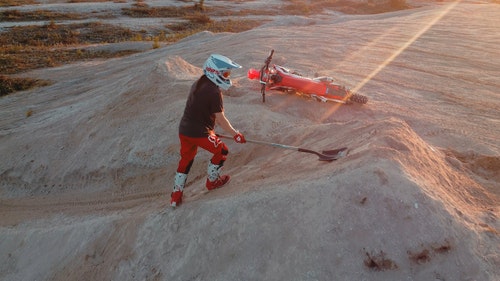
204, 108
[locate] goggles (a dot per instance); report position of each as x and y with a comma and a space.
226, 73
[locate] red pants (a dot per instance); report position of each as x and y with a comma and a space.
189, 148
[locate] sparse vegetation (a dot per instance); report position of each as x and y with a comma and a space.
379, 262
16, 15
156, 42
141, 10
29, 47
56, 35
200, 6
297, 7
425, 255
201, 22
420, 257
9, 3
9, 85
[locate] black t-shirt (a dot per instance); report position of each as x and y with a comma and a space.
204, 100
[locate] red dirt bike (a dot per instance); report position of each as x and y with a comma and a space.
322, 89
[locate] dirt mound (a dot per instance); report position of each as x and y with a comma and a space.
95, 138
177, 69
85, 178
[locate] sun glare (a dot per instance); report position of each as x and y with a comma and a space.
394, 55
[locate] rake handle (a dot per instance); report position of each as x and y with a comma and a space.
322, 157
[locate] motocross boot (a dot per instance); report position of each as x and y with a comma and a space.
176, 196
214, 179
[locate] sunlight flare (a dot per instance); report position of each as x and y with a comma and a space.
394, 55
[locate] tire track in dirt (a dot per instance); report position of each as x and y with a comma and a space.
15, 211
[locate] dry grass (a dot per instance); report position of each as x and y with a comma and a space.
9, 3
56, 35
94, 1
30, 47
379, 262
201, 22
9, 85
142, 10
297, 7
31, 58
15, 15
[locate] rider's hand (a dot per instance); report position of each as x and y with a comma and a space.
239, 138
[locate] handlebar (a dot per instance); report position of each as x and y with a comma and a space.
263, 71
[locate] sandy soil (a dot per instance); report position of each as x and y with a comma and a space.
85, 180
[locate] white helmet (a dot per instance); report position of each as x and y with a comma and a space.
218, 69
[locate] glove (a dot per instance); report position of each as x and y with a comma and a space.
239, 138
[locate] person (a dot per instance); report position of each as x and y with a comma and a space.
204, 109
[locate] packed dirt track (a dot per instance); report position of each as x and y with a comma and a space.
85, 179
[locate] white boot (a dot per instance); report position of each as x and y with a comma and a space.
213, 171
180, 181
214, 179
176, 196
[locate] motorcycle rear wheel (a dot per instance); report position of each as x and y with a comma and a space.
357, 98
